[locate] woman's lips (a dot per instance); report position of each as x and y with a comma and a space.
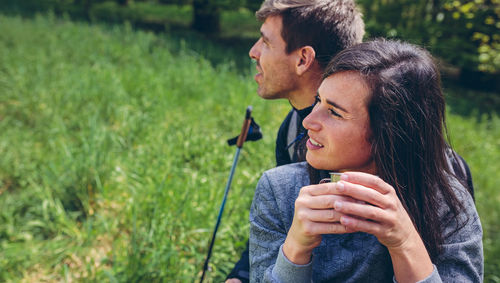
313, 145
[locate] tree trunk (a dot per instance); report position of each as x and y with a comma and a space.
86, 5
206, 16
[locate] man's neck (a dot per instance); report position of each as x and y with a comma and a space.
300, 106
303, 97
308, 84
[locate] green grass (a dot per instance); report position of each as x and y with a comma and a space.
114, 158
479, 144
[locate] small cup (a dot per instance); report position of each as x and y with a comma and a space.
335, 176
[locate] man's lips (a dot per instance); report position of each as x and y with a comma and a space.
312, 144
259, 73
257, 76
257, 67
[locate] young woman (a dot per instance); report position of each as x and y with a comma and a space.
398, 213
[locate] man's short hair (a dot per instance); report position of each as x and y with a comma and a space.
328, 26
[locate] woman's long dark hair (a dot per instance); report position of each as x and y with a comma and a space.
407, 119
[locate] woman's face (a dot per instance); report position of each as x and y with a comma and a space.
339, 125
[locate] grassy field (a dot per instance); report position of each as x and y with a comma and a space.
114, 155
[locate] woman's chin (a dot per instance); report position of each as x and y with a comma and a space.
315, 163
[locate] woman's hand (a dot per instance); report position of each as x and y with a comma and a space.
380, 213
360, 202
314, 215
378, 210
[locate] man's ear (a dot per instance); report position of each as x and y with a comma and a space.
305, 59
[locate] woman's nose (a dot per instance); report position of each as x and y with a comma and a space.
311, 122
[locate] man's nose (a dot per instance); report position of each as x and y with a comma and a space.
254, 52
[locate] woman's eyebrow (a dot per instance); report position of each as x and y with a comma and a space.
334, 104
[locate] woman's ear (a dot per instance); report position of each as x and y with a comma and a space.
305, 59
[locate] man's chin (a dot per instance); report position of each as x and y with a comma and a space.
266, 95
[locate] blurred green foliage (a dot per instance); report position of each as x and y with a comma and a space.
465, 34
482, 18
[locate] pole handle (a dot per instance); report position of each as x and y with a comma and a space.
244, 129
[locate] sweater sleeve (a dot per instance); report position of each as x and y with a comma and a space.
286, 271
267, 232
462, 258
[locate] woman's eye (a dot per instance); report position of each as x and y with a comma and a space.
334, 113
317, 100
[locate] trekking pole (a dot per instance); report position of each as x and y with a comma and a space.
239, 144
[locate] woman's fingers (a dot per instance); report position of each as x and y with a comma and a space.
367, 180
321, 202
318, 190
359, 186
383, 215
325, 228
365, 194
363, 211
319, 215
353, 224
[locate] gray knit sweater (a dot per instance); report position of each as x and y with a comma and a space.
356, 257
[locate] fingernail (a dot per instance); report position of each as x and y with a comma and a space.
340, 187
344, 177
344, 220
337, 205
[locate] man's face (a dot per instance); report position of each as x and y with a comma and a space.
276, 75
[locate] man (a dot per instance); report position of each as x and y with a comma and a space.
298, 39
